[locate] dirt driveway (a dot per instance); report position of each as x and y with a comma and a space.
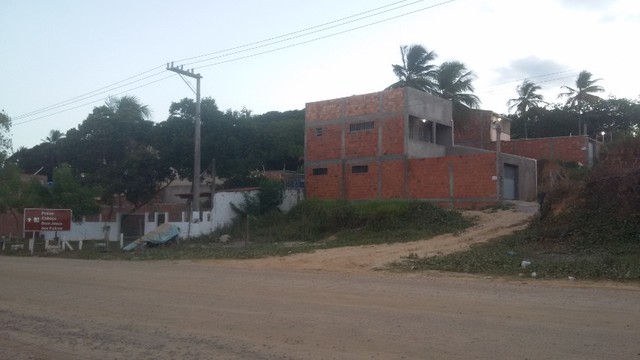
362, 259
287, 309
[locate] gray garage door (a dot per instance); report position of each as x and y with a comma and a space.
510, 184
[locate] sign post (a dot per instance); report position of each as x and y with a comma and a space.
46, 220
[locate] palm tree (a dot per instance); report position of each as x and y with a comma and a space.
416, 70
128, 105
455, 82
527, 97
582, 97
54, 137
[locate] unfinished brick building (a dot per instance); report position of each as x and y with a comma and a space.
398, 144
477, 132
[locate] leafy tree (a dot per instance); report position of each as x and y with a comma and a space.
268, 198
544, 122
620, 117
5, 140
239, 141
67, 192
617, 117
41, 159
17, 194
455, 82
582, 97
416, 70
107, 146
282, 139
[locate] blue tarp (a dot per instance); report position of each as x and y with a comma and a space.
160, 235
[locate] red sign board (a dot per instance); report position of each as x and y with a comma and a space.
47, 220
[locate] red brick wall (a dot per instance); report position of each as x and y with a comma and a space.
363, 185
362, 143
393, 135
393, 179
385, 178
324, 186
472, 177
323, 110
362, 104
386, 110
472, 128
324, 147
570, 148
393, 100
428, 178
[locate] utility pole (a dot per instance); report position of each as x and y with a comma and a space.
498, 160
195, 202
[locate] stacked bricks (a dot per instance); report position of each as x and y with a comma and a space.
472, 128
324, 186
393, 136
380, 148
568, 148
472, 177
325, 147
392, 174
362, 186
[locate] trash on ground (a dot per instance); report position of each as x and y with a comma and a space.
160, 235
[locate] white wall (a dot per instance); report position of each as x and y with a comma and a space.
221, 216
291, 198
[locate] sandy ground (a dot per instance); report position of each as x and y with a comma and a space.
288, 308
360, 259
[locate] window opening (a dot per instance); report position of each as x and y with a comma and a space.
362, 126
320, 171
359, 169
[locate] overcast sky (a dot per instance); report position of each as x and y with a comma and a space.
61, 58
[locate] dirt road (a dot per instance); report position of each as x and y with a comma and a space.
70, 309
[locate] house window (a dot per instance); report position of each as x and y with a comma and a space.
359, 169
151, 217
362, 126
319, 131
161, 219
320, 171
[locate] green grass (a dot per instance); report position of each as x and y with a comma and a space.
557, 258
309, 226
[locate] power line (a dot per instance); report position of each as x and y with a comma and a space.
110, 87
294, 32
87, 95
284, 38
532, 77
92, 102
321, 37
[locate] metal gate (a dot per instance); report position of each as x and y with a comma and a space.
132, 226
510, 183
